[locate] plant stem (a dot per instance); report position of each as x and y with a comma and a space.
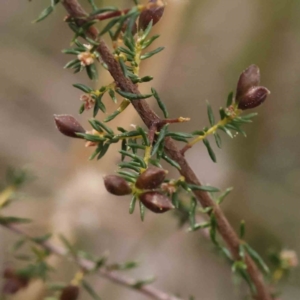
149, 117
211, 130
88, 265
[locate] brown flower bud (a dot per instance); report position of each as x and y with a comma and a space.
151, 178
253, 98
117, 185
13, 282
154, 14
70, 292
248, 79
156, 202
68, 125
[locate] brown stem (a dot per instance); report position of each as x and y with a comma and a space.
88, 265
185, 148
149, 117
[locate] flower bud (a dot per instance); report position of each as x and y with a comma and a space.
117, 185
253, 98
151, 178
156, 202
70, 292
13, 282
68, 125
248, 79
153, 13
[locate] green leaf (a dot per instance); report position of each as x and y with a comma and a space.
159, 139
93, 4
128, 165
171, 162
112, 95
151, 53
160, 103
132, 204
229, 99
144, 136
13, 220
129, 43
68, 245
123, 67
71, 51
92, 72
210, 114
137, 158
218, 140
150, 41
147, 30
180, 134
91, 137
210, 150
123, 147
242, 229
200, 226
90, 290
81, 109
205, 188
103, 151
242, 252
129, 53
127, 266
142, 211
131, 23
226, 130
132, 96
250, 116
192, 212
44, 14
256, 257
222, 113
18, 244
146, 79
213, 229
72, 64
120, 27
104, 127
103, 10
238, 265
175, 199
235, 127
224, 195
247, 278
42, 239
140, 283
110, 25
83, 88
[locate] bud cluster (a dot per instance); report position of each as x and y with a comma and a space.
13, 282
153, 13
70, 292
146, 187
248, 93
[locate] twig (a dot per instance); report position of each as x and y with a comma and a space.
149, 117
88, 265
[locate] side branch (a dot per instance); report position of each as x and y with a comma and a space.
87, 265
149, 117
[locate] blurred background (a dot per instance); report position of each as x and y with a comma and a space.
208, 44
